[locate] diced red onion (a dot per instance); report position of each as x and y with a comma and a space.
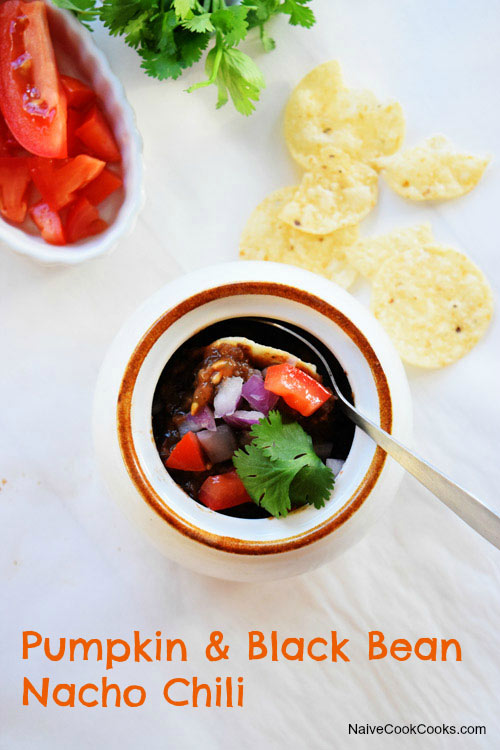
335, 464
244, 419
219, 445
227, 397
323, 450
257, 396
202, 420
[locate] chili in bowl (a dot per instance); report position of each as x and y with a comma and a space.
221, 393
167, 357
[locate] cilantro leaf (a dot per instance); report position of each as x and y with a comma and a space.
289, 442
313, 485
242, 78
190, 46
183, 7
212, 68
84, 10
280, 469
260, 10
199, 23
165, 32
160, 65
267, 482
300, 14
78, 6
171, 35
134, 29
116, 16
231, 22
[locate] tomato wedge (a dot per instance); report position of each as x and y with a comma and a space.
187, 455
97, 136
14, 180
297, 389
223, 491
49, 223
31, 96
83, 221
101, 187
8, 144
78, 94
58, 183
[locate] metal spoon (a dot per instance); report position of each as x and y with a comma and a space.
466, 506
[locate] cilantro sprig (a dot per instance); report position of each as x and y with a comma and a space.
280, 469
172, 35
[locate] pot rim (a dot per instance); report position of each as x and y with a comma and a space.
159, 504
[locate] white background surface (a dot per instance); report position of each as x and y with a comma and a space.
72, 565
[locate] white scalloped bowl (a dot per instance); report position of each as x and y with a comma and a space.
75, 46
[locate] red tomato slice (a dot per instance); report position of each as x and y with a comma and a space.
58, 184
14, 180
187, 455
223, 491
49, 223
8, 144
101, 187
297, 389
97, 135
83, 221
78, 94
31, 96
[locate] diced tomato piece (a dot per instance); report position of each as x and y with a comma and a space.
97, 135
49, 223
75, 146
14, 181
187, 455
58, 184
32, 99
297, 389
83, 221
101, 187
78, 93
223, 491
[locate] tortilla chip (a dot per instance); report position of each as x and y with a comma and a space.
435, 304
266, 237
321, 112
264, 355
368, 254
434, 170
337, 192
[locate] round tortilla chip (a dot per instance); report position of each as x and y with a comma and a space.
321, 112
264, 355
435, 304
368, 254
267, 237
433, 170
337, 192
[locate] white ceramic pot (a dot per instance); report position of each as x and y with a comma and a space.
78, 54
187, 532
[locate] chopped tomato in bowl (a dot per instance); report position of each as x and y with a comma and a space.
56, 139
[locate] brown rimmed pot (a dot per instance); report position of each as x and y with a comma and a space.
209, 542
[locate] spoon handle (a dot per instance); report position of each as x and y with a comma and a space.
469, 508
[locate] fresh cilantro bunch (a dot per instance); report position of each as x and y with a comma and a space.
172, 35
279, 468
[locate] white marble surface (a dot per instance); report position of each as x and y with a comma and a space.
72, 565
